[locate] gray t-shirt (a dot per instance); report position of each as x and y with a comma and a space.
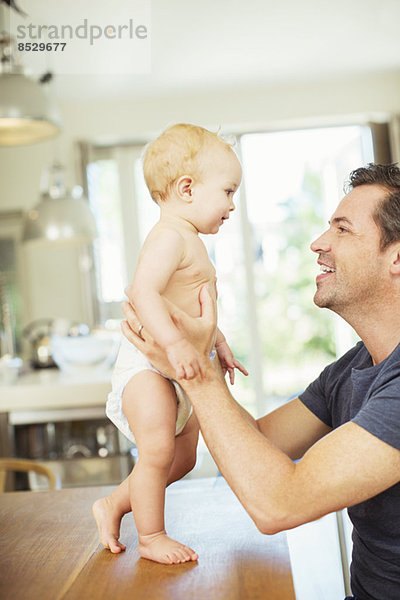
352, 389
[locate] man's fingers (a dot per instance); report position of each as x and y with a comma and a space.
189, 372
177, 315
207, 305
127, 308
130, 315
132, 321
202, 369
180, 373
133, 337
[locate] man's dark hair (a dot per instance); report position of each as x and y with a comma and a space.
387, 213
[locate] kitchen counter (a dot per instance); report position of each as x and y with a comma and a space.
52, 388
35, 393
31, 408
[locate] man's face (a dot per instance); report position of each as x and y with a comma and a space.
354, 271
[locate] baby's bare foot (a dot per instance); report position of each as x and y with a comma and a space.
160, 548
108, 522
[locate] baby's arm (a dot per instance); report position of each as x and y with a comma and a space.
226, 358
159, 259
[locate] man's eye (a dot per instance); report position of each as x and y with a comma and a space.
342, 230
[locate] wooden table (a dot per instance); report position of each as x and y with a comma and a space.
49, 550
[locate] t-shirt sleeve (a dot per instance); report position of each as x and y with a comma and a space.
381, 413
315, 398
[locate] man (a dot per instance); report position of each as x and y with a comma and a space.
345, 427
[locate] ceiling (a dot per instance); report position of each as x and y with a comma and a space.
227, 44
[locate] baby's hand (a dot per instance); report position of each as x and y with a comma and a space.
228, 361
185, 359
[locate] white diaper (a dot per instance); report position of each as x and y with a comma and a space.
131, 361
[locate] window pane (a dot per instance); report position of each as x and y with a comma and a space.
104, 198
293, 180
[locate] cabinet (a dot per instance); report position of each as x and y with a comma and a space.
60, 420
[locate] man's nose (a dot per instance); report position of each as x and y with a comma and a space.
322, 243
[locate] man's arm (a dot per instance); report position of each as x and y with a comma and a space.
293, 428
346, 466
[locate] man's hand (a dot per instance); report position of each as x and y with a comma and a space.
228, 361
200, 332
187, 362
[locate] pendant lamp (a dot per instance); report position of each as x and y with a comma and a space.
27, 114
60, 215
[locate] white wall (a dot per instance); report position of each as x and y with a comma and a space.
307, 104
240, 109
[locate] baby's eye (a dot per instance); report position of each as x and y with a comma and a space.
229, 192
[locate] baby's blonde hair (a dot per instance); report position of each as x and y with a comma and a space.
173, 154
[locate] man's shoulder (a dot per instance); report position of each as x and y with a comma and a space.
390, 367
357, 352
338, 373
356, 357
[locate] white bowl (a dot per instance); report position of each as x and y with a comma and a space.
84, 352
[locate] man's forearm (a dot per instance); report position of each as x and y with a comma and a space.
255, 469
246, 415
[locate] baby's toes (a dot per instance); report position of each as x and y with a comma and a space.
174, 557
116, 547
191, 553
183, 556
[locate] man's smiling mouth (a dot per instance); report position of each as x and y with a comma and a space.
325, 271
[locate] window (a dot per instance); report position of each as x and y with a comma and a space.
104, 187
292, 183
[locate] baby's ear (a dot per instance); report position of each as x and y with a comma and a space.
184, 188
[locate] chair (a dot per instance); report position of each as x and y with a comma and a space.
21, 464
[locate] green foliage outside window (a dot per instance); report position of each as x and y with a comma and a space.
293, 329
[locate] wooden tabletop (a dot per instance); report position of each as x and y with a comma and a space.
49, 550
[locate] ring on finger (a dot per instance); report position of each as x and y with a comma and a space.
140, 331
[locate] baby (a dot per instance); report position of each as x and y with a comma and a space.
192, 175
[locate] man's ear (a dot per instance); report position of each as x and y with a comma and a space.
183, 187
395, 260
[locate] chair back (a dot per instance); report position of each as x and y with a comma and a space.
21, 464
